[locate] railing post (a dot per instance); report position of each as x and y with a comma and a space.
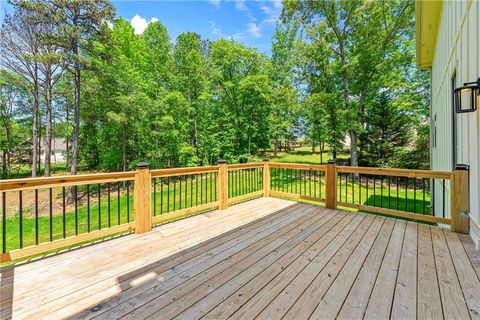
142, 198
266, 178
331, 186
459, 199
222, 184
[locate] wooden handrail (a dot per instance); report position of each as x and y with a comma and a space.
397, 172
182, 171
244, 166
298, 166
64, 181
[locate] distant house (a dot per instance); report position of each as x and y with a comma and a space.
59, 151
448, 44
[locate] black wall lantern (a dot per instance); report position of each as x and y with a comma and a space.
467, 98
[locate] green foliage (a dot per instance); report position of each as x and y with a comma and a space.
190, 101
388, 130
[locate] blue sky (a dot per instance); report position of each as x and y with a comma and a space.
250, 22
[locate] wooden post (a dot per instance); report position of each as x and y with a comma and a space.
460, 199
222, 184
142, 198
331, 186
266, 178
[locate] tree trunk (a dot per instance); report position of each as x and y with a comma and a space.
76, 124
353, 148
4, 164
35, 130
275, 144
322, 148
48, 122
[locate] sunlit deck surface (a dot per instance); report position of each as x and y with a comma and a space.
266, 258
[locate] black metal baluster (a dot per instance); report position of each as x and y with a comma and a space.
215, 179
340, 189
315, 184
230, 189
168, 194
346, 187
185, 177
4, 222
310, 182
423, 195
353, 188
180, 192
76, 210
174, 193
304, 182
201, 188
415, 195
397, 192
20, 209
154, 197
118, 204
389, 190
50, 212
206, 187
161, 195
374, 191
359, 189
88, 208
108, 207
366, 197
191, 191
64, 214
99, 207
196, 190
406, 193
36, 216
211, 186
128, 201
381, 192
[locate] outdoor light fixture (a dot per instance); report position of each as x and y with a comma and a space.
467, 98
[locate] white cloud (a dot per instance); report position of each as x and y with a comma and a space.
240, 5
139, 24
254, 29
218, 32
272, 10
215, 3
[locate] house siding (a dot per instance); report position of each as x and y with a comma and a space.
457, 53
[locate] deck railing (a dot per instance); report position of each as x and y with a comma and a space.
45, 214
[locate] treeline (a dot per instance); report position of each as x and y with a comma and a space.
71, 70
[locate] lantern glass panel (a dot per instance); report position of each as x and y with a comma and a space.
465, 99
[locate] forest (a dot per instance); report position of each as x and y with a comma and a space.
338, 71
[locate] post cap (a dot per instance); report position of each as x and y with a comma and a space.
266, 160
142, 165
332, 161
460, 166
222, 161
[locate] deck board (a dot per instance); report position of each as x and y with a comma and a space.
266, 258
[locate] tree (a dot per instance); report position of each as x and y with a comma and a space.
361, 36
19, 52
77, 23
13, 95
388, 130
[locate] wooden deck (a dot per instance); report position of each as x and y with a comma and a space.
268, 259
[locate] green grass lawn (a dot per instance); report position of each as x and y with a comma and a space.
304, 155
